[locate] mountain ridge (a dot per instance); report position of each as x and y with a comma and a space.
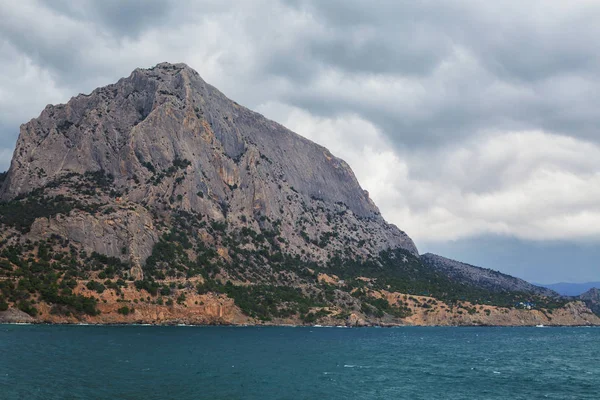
483, 277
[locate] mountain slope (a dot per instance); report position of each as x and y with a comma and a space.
483, 278
592, 299
159, 200
167, 140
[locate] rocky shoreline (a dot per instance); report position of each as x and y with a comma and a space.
216, 311
34, 322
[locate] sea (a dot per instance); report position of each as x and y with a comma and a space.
180, 362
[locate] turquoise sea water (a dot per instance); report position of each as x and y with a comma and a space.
139, 362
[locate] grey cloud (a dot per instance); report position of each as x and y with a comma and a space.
340, 13
289, 65
517, 41
80, 42
450, 123
131, 18
389, 38
378, 56
59, 49
527, 49
120, 18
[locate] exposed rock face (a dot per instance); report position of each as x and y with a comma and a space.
592, 299
124, 232
195, 310
14, 316
592, 294
481, 277
166, 136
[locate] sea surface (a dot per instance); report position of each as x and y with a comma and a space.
148, 362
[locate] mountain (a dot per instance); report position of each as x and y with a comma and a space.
483, 278
159, 200
592, 299
572, 289
167, 140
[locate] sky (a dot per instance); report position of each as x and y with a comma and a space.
472, 124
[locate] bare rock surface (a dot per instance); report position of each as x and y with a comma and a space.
166, 136
14, 316
592, 299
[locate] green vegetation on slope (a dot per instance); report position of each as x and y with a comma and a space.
250, 266
31, 276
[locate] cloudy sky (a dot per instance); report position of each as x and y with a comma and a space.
473, 124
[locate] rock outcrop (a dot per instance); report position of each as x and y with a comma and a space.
592, 299
13, 316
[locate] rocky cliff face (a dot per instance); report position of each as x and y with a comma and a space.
592, 300
169, 141
482, 277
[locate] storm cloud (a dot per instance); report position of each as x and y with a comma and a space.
464, 119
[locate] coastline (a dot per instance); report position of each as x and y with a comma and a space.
213, 310
287, 325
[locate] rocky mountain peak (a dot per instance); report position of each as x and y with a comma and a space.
168, 142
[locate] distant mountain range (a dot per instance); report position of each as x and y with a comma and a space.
571, 289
